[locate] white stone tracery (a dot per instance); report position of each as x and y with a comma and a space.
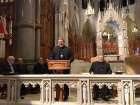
125, 85
103, 18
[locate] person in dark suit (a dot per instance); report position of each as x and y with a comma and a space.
1, 64
21, 68
9, 66
100, 67
47, 71
40, 67
62, 52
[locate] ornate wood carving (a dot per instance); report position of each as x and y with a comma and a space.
58, 64
47, 35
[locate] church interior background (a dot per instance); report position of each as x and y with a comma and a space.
30, 28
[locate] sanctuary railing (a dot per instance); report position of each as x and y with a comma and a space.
40, 89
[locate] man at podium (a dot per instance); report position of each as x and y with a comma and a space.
62, 52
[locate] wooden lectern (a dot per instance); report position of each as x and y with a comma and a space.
59, 66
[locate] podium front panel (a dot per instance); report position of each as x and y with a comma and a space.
58, 64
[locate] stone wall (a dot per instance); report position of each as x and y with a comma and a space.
137, 13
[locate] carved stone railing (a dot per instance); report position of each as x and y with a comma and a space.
83, 84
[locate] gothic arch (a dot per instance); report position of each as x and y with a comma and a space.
74, 24
112, 15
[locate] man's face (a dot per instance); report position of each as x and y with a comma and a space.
11, 59
101, 58
20, 60
60, 43
41, 60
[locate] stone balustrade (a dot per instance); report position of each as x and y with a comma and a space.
80, 88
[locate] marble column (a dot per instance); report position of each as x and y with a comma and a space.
65, 20
99, 47
24, 41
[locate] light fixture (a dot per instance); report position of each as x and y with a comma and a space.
135, 29
104, 33
89, 11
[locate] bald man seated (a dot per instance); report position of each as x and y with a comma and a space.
100, 66
9, 66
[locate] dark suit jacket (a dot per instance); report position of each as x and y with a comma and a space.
2, 61
65, 51
62, 53
6, 68
100, 68
40, 69
21, 69
0, 68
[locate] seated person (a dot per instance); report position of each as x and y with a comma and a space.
47, 71
40, 67
21, 68
100, 66
1, 64
9, 66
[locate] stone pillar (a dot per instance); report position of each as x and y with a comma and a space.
99, 48
123, 42
66, 21
24, 41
